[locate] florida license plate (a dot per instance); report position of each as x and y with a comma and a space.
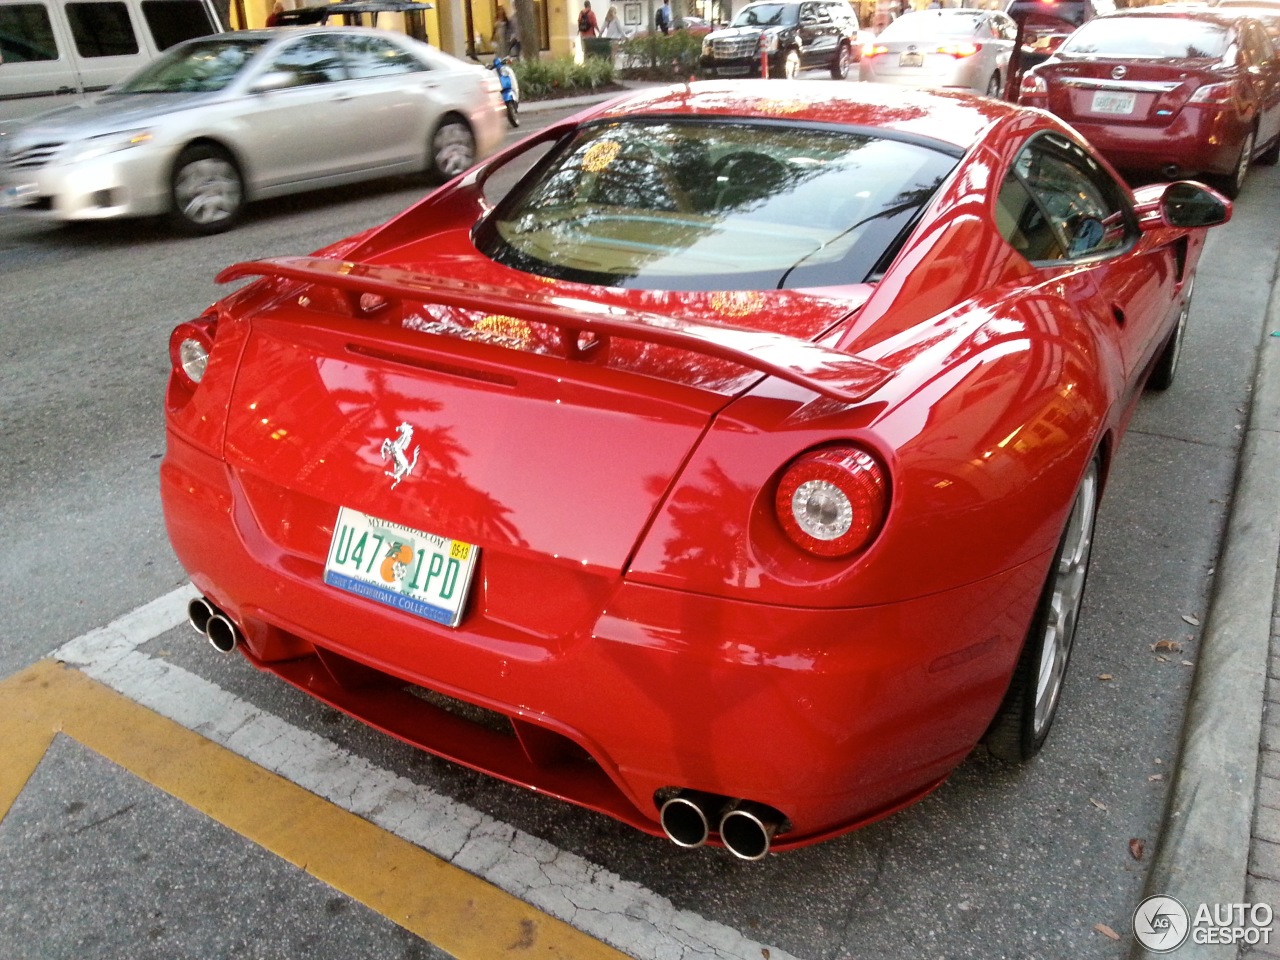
1120, 104
421, 573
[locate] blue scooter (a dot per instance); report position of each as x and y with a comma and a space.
510, 87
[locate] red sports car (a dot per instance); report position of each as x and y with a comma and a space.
1175, 92
733, 474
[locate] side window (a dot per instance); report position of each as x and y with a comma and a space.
102, 29
1057, 203
314, 59
1008, 30
376, 57
172, 21
26, 34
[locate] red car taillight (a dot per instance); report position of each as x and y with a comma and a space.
189, 347
832, 502
1214, 93
874, 49
959, 50
1032, 86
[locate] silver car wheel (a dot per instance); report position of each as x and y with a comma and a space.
994, 87
207, 191
791, 65
453, 149
1070, 571
1242, 165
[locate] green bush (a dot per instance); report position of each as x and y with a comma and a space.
563, 77
661, 56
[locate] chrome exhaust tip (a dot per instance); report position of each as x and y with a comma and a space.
222, 633
747, 829
687, 817
199, 612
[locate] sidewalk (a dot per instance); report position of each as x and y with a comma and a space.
1220, 841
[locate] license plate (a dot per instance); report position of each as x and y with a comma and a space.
18, 195
732, 71
1104, 101
421, 573
911, 60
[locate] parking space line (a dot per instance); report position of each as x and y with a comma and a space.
449, 907
588, 896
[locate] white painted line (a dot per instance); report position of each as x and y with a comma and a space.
598, 902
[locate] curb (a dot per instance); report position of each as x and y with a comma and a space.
1203, 853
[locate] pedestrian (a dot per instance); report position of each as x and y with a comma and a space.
588, 27
612, 29
663, 16
506, 35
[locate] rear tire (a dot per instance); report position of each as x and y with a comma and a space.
206, 190
995, 88
1233, 182
511, 114
452, 148
1270, 156
1022, 723
841, 64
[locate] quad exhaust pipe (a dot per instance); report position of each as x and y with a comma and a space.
746, 828
215, 625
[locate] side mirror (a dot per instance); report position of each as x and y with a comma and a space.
273, 80
1183, 204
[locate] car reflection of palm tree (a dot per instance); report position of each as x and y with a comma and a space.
449, 503
705, 538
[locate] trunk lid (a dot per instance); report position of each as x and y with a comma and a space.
548, 448
1122, 91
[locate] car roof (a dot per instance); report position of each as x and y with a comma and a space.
956, 120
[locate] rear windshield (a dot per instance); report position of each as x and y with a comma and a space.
1160, 37
714, 205
199, 67
926, 24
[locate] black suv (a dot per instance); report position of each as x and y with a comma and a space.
796, 35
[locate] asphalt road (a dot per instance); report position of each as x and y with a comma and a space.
997, 863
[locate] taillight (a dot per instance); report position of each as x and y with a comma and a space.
1032, 86
832, 502
874, 49
1214, 93
959, 50
189, 347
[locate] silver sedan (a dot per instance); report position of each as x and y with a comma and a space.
241, 116
948, 48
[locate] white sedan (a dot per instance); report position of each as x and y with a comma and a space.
949, 48
241, 116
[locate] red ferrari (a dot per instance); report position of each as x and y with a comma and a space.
733, 474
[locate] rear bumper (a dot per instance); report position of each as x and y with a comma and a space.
834, 717
1196, 141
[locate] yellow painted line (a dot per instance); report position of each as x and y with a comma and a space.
459, 913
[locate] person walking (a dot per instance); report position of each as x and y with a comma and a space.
588, 26
612, 29
663, 16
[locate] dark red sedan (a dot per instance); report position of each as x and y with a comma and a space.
1169, 92
733, 474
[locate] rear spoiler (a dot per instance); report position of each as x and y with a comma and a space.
829, 373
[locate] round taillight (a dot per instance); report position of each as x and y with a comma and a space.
189, 347
832, 502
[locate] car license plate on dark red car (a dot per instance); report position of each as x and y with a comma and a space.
1117, 104
421, 573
